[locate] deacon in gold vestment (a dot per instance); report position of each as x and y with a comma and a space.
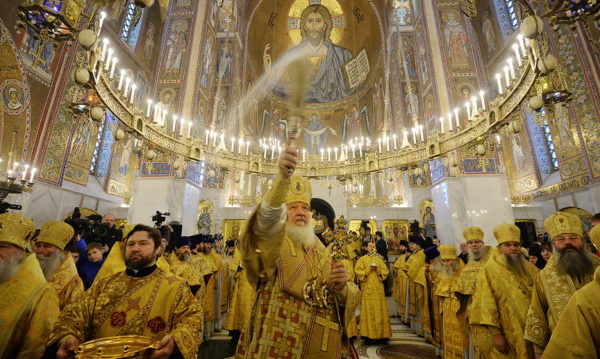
577, 334
452, 341
243, 296
29, 304
400, 279
143, 300
303, 299
411, 268
500, 303
466, 287
428, 303
58, 266
371, 271
571, 267
209, 297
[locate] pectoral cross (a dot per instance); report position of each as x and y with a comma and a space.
327, 325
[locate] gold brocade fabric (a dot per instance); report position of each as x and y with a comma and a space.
500, 304
152, 306
577, 334
209, 295
451, 334
399, 286
426, 284
551, 294
192, 272
242, 299
374, 316
65, 280
29, 311
413, 264
282, 324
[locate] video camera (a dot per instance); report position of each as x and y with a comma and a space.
159, 218
5, 206
90, 228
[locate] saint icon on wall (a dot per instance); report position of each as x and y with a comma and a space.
325, 60
176, 49
456, 40
13, 100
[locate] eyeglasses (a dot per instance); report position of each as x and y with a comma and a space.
570, 238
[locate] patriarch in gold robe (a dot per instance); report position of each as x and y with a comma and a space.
571, 267
503, 294
371, 270
411, 268
29, 304
304, 298
467, 285
577, 333
142, 300
57, 265
452, 342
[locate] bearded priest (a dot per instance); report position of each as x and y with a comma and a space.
58, 266
142, 300
303, 299
571, 267
500, 303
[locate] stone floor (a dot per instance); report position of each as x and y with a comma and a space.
402, 344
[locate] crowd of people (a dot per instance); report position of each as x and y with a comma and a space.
282, 292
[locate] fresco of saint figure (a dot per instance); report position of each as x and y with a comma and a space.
325, 59
176, 48
315, 135
456, 40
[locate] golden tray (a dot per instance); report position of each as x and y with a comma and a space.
122, 347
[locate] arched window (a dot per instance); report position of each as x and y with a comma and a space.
512, 14
130, 33
97, 149
549, 142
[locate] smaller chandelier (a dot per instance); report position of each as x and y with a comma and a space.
58, 18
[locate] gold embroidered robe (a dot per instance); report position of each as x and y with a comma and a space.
551, 293
464, 290
374, 316
242, 299
500, 306
399, 287
65, 280
411, 268
452, 340
282, 324
153, 306
209, 295
577, 333
352, 324
429, 305
191, 271
29, 311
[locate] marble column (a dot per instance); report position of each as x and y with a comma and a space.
178, 197
471, 200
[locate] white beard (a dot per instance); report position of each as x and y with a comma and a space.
49, 264
302, 236
10, 267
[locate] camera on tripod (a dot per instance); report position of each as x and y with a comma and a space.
90, 228
159, 218
5, 206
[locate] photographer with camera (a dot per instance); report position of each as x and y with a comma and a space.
108, 232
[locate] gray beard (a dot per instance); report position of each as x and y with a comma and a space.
574, 264
49, 264
516, 265
437, 266
450, 271
302, 236
184, 257
476, 257
9, 268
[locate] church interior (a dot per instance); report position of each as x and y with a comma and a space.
454, 113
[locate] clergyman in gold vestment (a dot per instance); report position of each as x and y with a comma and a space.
501, 300
577, 334
467, 285
571, 267
371, 270
143, 300
29, 304
303, 299
58, 266
452, 341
